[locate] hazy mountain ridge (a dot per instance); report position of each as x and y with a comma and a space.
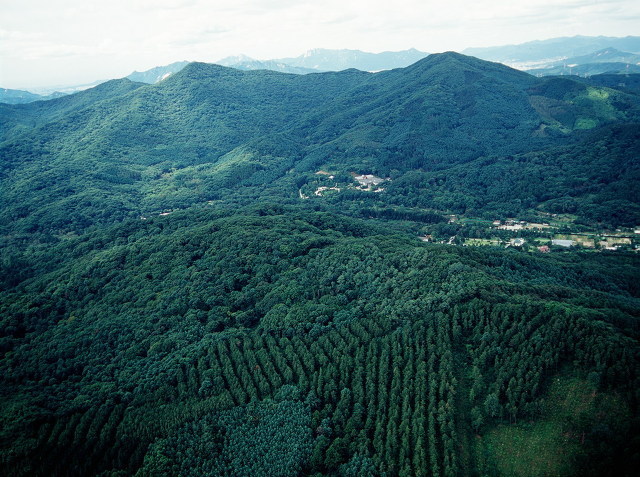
529, 55
243, 62
313, 61
608, 60
16, 96
587, 69
554, 49
607, 55
158, 73
335, 60
18, 119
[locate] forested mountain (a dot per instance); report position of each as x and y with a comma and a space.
16, 96
18, 119
627, 82
158, 73
219, 274
144, 149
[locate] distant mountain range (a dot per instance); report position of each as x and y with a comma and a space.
588, 69
560, 56
16, 96
579, 55
313, 61
607, 55
320, 59
609, 60
536, 54
246, 63
337, 60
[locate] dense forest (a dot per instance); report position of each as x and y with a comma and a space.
179, 298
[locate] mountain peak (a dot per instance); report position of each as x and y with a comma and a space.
198, 68
233, 60
451, 67
453, 56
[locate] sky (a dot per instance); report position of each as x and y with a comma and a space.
46, 43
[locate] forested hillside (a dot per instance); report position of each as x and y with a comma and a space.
220, 274
355, 348
124, 149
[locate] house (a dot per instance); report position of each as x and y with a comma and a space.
563, 243
512, 226
369, 180
536, 226
517, 242
544, 249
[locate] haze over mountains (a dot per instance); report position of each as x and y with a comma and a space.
428, 270
534, 52
608, 60
559, 56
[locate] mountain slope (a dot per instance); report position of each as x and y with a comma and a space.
132, 150
430, 115
138, 342
596, 179
629, 83
18, 119
157, 74
15, 96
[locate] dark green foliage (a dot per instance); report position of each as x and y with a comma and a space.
595, 179
265, 438
255, 332
210, 134
225, 321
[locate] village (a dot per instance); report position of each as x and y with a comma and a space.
542, 237
549, 233
366, 182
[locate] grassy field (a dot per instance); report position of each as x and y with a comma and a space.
553, 446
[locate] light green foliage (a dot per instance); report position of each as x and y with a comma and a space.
575, 419
170, 311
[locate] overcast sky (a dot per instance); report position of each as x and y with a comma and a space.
66, 42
